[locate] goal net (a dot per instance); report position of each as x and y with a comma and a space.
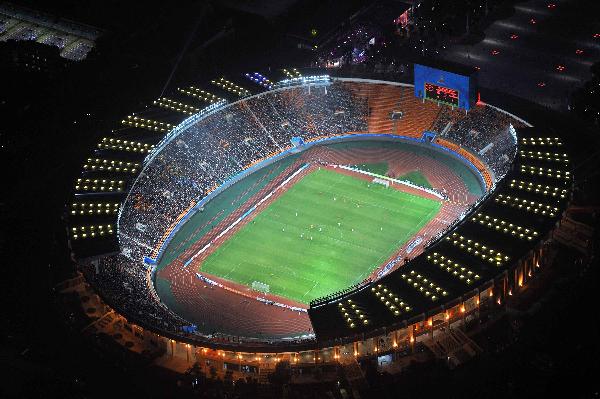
383, 182
261, 287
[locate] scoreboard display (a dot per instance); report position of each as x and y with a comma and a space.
442, 94
451, 84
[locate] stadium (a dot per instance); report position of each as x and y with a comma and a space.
316, 217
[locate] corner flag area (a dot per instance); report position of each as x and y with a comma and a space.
325, 233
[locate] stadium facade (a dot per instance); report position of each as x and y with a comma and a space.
493, 245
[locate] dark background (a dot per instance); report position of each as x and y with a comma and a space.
50, 120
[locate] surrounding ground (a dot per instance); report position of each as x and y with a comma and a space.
327, 232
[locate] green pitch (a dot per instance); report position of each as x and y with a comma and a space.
325, 233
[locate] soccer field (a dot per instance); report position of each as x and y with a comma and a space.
325, 233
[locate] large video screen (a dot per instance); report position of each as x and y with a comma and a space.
457, 89
441, 93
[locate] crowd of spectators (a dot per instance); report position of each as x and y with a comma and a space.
128, 290
484, 131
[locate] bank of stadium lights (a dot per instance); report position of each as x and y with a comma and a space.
505, 227
109, 143
537, 188
352, 314
260, 80
393, 302
173, 105
149, 124
477, 249
99, 185
425, 286
110, 165
527, 205
200, 94
541, 141
91, 231
94, 208
302, 80
230, 87
544, 156
291, 73
548, 172
454, 268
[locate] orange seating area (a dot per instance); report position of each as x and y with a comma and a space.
383, 99
487, 177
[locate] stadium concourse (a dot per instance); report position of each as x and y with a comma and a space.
485, 160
